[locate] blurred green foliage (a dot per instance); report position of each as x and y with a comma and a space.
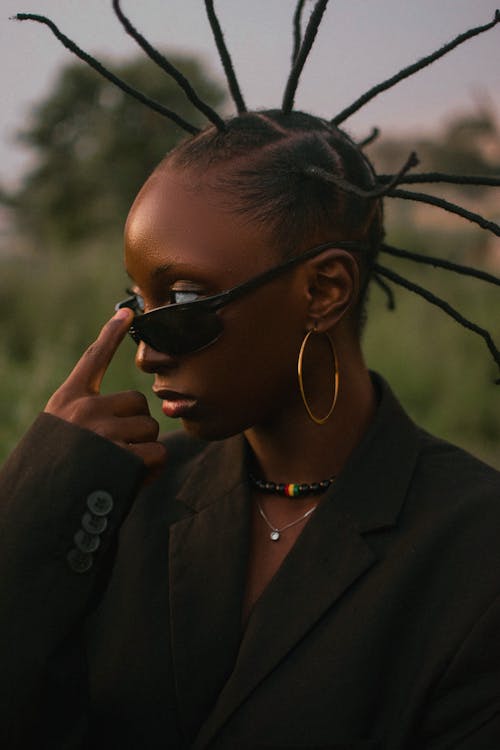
442, 373
51, 310
94, 146
61, 284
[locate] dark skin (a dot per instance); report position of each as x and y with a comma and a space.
178, 238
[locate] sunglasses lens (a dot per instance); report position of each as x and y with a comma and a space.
176, 331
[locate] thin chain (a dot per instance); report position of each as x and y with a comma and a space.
277, 531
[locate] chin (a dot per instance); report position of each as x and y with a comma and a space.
211, 430
204, 431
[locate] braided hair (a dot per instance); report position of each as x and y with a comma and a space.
301, 175
272, 180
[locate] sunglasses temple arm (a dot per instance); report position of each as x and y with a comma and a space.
224, 297
130, 302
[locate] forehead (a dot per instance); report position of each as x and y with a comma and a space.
181, 221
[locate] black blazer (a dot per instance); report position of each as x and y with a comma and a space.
380, 630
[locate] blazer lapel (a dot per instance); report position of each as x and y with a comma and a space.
330, 555
207, 562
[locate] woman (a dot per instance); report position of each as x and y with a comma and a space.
301, 566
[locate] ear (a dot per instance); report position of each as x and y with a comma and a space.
333, 287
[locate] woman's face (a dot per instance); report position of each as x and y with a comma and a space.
181, 245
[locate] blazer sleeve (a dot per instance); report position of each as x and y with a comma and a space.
64, 493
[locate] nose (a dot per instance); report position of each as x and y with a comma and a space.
149, 360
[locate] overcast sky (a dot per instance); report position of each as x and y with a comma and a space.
360, 43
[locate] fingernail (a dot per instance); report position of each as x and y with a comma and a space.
122, 313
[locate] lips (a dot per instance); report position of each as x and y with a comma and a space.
175, 404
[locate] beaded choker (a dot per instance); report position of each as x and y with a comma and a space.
291, 490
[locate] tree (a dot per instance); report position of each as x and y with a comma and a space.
94, 147
469, 144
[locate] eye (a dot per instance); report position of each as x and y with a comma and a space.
138, 302
179, 296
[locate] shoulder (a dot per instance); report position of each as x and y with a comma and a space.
453, 474
444, 503
451, 518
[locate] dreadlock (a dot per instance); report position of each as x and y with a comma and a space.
370, 139
302, 54
167, 66
301, 175
451, 207
443, 305
225, 57
99, 68
297, 29
440, 263
452, 179
411, 69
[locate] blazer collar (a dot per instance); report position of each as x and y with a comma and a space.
372, 485
214, 474
208, 554
217, 666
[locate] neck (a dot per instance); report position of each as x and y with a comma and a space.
295, 449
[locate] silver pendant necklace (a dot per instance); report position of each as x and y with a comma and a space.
275, 534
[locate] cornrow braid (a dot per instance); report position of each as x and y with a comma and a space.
296, 173
263, 162
377, 192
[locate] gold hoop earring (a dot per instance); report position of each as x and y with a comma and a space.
318, 420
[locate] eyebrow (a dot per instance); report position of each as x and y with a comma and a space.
159, 271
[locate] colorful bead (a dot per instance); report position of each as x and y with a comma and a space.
291, 489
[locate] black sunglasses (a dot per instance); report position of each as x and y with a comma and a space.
187, 327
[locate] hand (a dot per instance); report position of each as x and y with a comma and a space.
123, 417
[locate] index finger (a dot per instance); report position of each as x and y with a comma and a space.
91, 367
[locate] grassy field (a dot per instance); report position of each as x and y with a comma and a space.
52, 307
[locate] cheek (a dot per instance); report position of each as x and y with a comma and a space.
249, 374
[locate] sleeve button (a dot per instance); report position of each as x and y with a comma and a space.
94, 524
79, 562
100, 503
86, 542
